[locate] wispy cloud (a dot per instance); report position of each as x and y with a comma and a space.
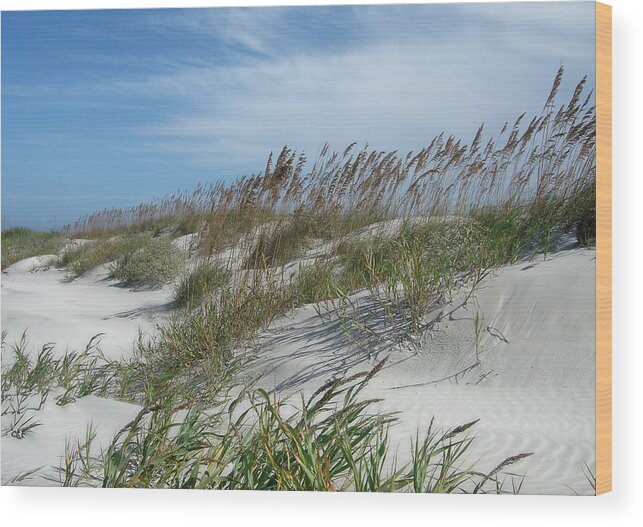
210, 92
393, 91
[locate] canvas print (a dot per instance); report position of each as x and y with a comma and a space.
334, 248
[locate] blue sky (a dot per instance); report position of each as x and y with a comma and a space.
111, 108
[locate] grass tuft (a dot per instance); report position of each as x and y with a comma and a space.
81, 259
19, 243
154, 264
200, 284
332, 442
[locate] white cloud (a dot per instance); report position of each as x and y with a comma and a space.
391, 94
402, 79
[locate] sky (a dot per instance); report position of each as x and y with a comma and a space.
114, 107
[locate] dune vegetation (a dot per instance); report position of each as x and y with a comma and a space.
331, 442
19, 243
411, 229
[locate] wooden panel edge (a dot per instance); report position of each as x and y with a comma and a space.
603, 248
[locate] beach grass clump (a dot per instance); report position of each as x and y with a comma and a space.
29, 382
315, 283
198, 347
229, 320
229, 225
289, 238
327, 225
154, 264
187, 224
514, 231
294, 233
433, 260
145, 219
77, 371
201, 283
334, 441
363, 261
19, 243
275, 247
81, 259
420, 266
581, 214
507, 234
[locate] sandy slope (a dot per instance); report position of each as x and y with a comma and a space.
42, 300
44, 449
533, 390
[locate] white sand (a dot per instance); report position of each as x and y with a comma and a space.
51, 308
188, 243
44, 448
533, 391
41, 300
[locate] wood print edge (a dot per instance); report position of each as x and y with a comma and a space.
603, 248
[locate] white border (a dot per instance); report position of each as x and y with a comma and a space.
52, 507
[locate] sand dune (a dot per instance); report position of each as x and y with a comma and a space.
51, 308
533, 388
45, 448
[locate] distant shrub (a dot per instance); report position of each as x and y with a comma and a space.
188, 224
201, 282
154, 264
82, 259
20, 243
